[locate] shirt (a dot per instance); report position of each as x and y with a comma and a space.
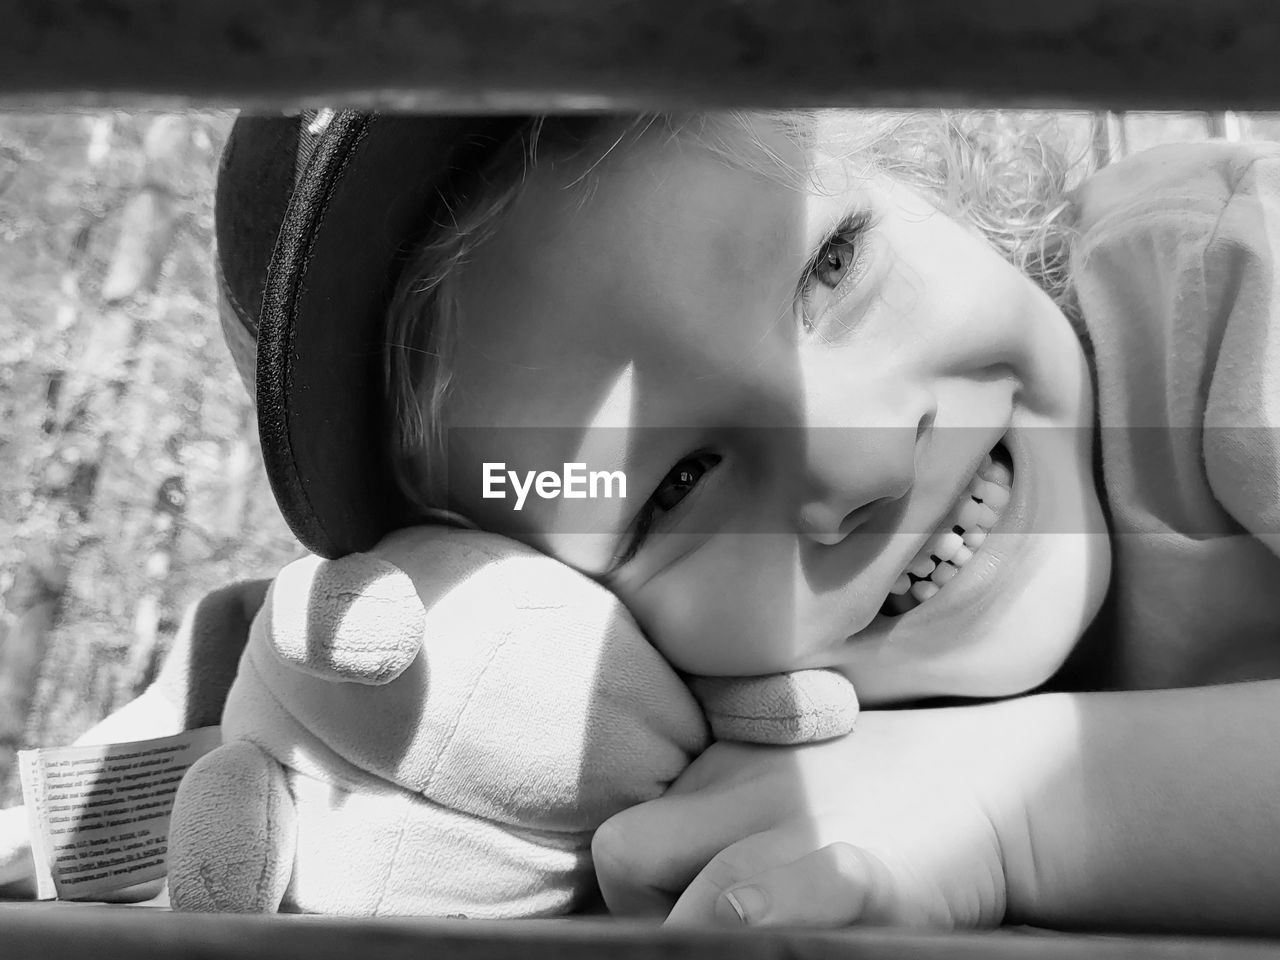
1175, 270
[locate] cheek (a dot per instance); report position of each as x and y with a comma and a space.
728, 610
953, 306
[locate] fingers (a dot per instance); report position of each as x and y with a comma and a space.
834, 886
626, 891
731, 867
646, 855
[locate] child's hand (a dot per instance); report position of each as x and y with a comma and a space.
902, 822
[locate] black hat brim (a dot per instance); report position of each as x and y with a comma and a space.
360, 195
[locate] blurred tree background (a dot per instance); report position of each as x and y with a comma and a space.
131, 480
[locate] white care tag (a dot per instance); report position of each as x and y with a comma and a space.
99, 814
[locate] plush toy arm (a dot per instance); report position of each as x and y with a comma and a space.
357, 619
785, 708
233, 833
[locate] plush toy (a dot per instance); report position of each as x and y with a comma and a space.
438, 726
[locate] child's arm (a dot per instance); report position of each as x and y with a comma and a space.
1143, 811
1165, 814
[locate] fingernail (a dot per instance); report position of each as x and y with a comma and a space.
748, 903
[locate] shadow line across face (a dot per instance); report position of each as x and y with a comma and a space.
802, 386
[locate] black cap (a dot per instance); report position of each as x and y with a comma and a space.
315, 215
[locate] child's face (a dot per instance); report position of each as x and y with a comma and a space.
801, 387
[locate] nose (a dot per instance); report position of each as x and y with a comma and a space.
854, 469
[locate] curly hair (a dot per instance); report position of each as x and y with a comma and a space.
1008, 175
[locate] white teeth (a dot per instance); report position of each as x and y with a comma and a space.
945, 545
964, 531
974, 514
944, 573
922, 565
983, 490
996, 472
923, 590
970, 514
992, 494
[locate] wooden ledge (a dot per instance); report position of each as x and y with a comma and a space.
544, 54
64, 931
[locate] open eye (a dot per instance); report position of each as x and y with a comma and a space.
671, 491
834, 268
678, 483
834, 261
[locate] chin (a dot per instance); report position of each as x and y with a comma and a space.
1010, 646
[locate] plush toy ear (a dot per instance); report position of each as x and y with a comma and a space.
784, 708
358, 618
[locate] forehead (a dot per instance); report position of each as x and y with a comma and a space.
628, 266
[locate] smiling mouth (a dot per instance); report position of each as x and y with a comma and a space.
960, 535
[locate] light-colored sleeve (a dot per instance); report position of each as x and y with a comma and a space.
1242, 415
1175, 267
